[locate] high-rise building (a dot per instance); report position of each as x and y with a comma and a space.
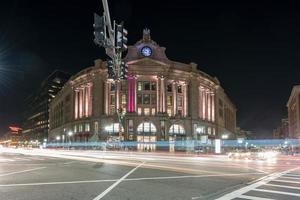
293, 106
282, 131
36, 123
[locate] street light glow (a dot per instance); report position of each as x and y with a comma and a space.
70, 133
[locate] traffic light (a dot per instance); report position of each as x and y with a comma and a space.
99, 30
124, 71
120, 37
110, 70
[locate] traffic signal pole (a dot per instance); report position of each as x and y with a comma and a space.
114, 44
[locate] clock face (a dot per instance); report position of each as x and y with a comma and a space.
146, 51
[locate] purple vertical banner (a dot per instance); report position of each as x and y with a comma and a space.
130, 105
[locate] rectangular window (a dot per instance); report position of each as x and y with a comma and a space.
146, 99
169, 87
153, 86
153, 111
123, 99
112, 110
179, 89
112, 99
153, 99
146, 85
112, 87
140, 85
169, 111
169, 100
147, 111
139, 111
87, 127
179, 101
80, 128
139, 99
96, 127
123, 85
75, 128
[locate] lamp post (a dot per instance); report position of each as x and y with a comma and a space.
57, 138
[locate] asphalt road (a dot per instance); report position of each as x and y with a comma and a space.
90, 175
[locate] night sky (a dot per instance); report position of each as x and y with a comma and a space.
253, 48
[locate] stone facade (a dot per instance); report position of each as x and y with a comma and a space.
293, 106
161, 100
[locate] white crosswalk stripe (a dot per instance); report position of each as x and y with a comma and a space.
269, 187
16, 159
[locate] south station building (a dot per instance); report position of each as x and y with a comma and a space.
162, 100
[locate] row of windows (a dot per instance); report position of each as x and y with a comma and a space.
82, 127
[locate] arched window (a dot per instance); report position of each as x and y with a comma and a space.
146, 127
176, 129
113, 128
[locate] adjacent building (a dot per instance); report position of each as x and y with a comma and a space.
162, 100
293, 106
36, 123
282, 131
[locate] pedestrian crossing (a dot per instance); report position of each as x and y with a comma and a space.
284, 185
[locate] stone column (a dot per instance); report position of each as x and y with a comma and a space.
106, 103
76, 104
163, 95
185, 100
174, 89
117, 90
213, 107
158, 95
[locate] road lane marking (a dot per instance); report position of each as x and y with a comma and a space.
283, 186
262, 181
253, 198
277, 192
100, 196
113, 180
23, 171
58, 183
292, 178
5, 160
291, 175
285, 181
67, 163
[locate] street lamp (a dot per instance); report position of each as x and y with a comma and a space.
70, 133
58, 138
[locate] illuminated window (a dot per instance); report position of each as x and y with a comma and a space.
169, 111
209, 131
179, 89
139, 111
176, 129
80, 128
153, 86
153, 99
146, 85
96, 127
147, 111
113, 128
75, 128
87, 127
123, 99
140, 85
169, 100
112, 99
146, 99
146, 127
153, 111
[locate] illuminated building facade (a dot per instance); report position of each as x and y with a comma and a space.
161, 99
36, 123
293, 106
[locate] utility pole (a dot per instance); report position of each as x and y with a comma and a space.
114, 40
